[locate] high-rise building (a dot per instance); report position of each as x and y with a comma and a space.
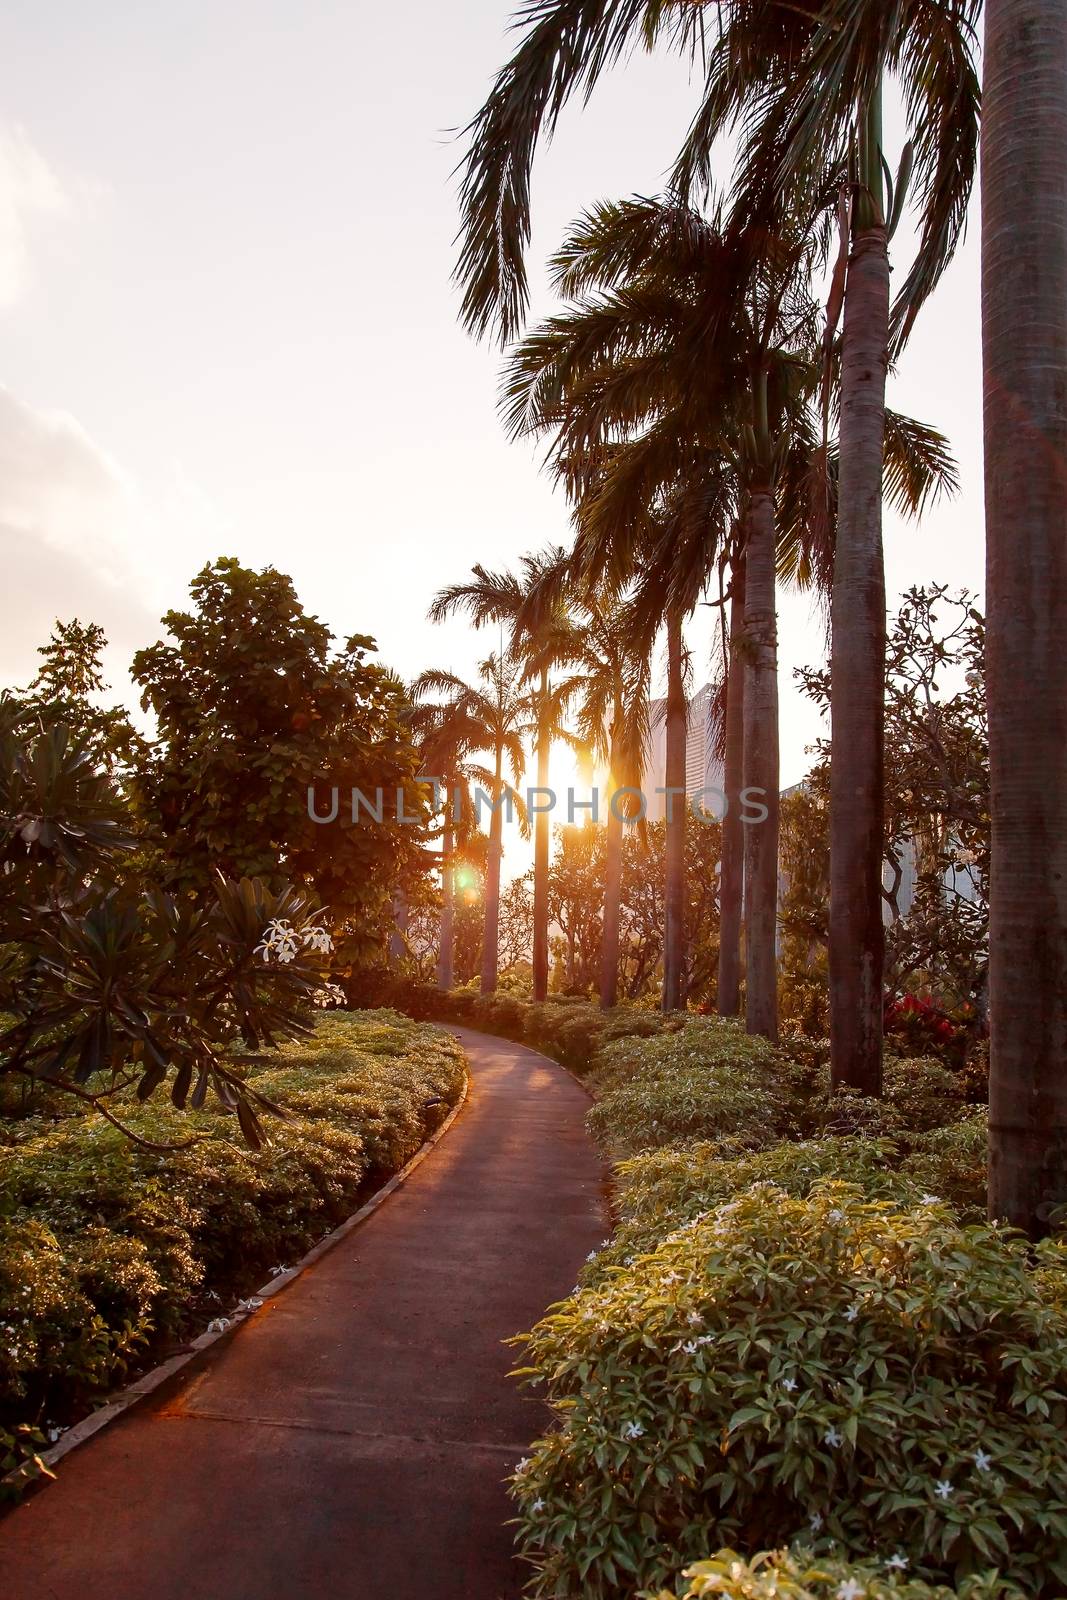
703, 770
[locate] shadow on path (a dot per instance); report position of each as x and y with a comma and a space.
349, 1443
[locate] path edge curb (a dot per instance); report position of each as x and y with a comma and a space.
150, 1381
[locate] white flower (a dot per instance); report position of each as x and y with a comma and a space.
789, 1384
815, 1521
689, 1348
853, 1312
837, 1216
520, 1466
671, 1277
943, 1489
218, 1325
633, 1430
930, 1200
832, 1438
280, 941
627, 1261
850, 1590
331, 994
897, 1563
317, 939
604, 1243
591, 1256
982, 1460
537, 1505
695, 1320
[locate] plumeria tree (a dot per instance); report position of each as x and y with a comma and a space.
113, 987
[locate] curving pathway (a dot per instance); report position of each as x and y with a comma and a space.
350, 1441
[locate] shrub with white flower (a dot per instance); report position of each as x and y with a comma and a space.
928, 1424
797, 1575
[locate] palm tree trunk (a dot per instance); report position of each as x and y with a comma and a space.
1024, 321
609, 945
674, 779
447, 936
760, 649
492, 882
732, 868
541, 843
857, 678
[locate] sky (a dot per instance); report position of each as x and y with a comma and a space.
227, 324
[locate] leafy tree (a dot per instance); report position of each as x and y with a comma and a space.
936, 817
255, 710
516, 922
66, 690
576, 904
110, 987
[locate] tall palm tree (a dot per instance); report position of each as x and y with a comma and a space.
1024, 322
608, 680
732, 872
447, 736
498, 718
805, 80
537, 638
681, 299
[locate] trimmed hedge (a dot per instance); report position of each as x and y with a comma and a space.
861, 1376
107, 1249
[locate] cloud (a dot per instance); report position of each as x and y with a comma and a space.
29, 190
68, 525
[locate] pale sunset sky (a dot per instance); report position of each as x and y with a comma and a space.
227, 324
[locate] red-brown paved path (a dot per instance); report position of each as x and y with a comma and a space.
349, 1442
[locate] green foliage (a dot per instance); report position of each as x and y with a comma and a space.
67, 690
917, 1096
105, 982
20, 1460
253, 707
107, 1246
704, 1079
783, 1575
818, 1368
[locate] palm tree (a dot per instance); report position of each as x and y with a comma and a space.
447, 735
681, 299
1024, 322
497, 719
805, 80
609, 681
732, 873
536, 636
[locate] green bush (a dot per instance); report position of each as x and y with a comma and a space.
106, 1245
918, 1095
781, 1575
824, 1368
705, 1079
951, 1162
662, 1190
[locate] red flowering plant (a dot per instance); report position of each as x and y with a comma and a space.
916, 1026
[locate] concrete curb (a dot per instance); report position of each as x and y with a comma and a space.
153, 1380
